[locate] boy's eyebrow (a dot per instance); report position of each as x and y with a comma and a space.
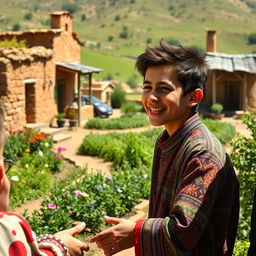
146, 82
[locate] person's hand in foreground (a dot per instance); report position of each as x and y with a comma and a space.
116, 238
75, 246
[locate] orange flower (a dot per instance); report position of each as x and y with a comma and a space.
32, 141
38, 136
25, 139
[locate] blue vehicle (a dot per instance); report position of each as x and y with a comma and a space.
100, 108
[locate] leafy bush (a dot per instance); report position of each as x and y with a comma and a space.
124, 122
70, 7
252, 38
6, 43
244, 159
89, 200
117, 97
132, 148
225, 132
216, 108
28, 16
132, 81
27, 141
16, 27
130, 108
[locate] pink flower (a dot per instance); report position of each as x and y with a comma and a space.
58, 156
52, 206
78, 193
60, 149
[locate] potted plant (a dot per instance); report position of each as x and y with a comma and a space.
73, 117
60, 119
216, 109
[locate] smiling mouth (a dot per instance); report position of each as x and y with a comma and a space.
155, 110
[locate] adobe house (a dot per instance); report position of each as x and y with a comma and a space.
100, 89
232, 81
39, 81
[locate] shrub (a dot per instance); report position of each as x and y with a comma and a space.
225, 132
16, 27
124, 122
28, 16
110, 38
27, 141
89, 200
174, 42
244, 159
132, 81
13, 43
216, 108
117, 17
117, 97
130, 108
252, 38
70, 7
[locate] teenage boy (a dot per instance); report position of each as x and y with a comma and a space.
17, 238
194, 201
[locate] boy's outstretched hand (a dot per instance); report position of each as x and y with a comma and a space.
75, 246
116, 238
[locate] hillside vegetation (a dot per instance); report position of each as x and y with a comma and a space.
125, 27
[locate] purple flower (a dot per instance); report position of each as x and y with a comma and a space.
99, 188
78, 193
92, 206
60, 149
52, 206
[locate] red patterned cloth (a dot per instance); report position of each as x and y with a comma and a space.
194, 202
17, 239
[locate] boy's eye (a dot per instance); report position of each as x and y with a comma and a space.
146, 87
165, 89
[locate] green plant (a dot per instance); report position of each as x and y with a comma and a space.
216, 108
225, 132
60, 116
244, 159
70, 7
73, 115
252, 38
117, 97
130, 108
8, 43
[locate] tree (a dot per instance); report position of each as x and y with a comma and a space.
252, 38
70, 7
28, 16
83, 17
16, 27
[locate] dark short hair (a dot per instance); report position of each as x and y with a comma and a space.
192, 70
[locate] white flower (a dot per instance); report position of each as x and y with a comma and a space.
26, 165
46, 144
15, 178
46, 165
40, 153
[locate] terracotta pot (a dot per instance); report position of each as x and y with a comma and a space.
217, 116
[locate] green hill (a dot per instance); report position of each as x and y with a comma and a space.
125, 27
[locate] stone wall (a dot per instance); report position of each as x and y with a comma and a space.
36, 75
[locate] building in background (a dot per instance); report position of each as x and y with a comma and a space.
38, 81
232, 81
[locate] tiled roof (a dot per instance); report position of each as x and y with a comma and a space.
232, 62
79, 67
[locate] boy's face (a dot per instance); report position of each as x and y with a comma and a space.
4, 185
163, 98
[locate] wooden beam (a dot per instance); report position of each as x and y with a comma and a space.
245, 101
79, 99
90, 88
213, 87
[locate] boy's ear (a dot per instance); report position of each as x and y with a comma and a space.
195, 97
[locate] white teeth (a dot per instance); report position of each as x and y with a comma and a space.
155, 110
